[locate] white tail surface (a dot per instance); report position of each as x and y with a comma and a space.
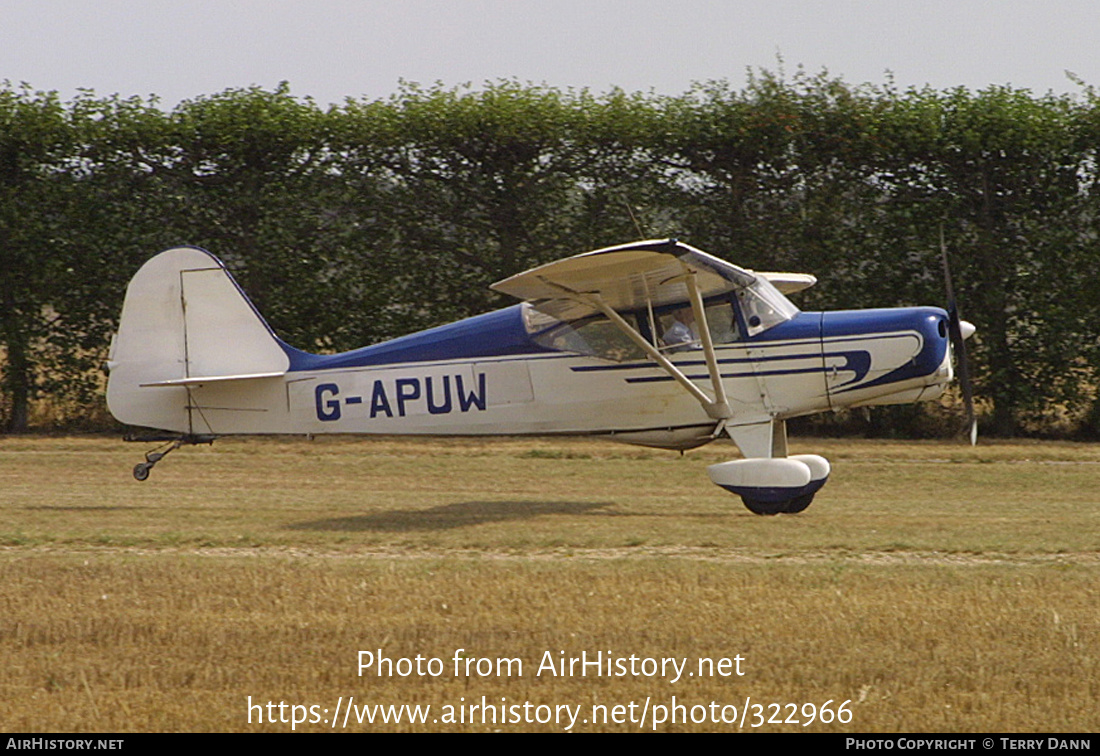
184, 319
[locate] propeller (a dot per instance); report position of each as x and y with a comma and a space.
959, 330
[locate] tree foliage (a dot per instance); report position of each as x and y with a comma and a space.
360, 222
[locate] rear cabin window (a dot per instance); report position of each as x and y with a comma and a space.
595, 336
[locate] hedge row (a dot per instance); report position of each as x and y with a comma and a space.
360, 222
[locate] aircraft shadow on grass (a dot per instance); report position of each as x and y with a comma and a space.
77, 508
448, 516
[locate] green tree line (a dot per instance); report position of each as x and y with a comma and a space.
355, 223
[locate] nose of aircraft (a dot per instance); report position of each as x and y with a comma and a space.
966, 328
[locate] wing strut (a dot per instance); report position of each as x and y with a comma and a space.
721, 404
718, 408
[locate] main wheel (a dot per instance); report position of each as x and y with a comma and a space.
798, 503
764, 507
141, 470
790, 506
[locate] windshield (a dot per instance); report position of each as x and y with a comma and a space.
763, 306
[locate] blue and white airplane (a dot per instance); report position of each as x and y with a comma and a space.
653, 343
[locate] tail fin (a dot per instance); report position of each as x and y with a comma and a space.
184, 322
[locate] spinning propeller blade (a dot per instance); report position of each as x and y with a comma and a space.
958, 343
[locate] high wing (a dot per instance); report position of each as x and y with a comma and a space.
627, 277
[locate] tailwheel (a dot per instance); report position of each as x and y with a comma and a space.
142, 469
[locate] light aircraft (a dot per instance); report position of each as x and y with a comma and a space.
653, 343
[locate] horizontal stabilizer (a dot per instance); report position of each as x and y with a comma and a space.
789, 283
198, 380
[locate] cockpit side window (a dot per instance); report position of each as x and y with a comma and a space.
746, 312
596, 336
679, 331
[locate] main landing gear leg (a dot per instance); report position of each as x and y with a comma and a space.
142, 469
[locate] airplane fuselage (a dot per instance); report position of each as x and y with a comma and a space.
485, 376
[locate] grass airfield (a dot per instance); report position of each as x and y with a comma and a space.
933, 587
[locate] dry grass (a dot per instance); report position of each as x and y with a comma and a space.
938, 588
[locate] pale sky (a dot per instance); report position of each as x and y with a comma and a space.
334, 49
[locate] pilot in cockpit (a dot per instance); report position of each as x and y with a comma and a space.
682, 334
